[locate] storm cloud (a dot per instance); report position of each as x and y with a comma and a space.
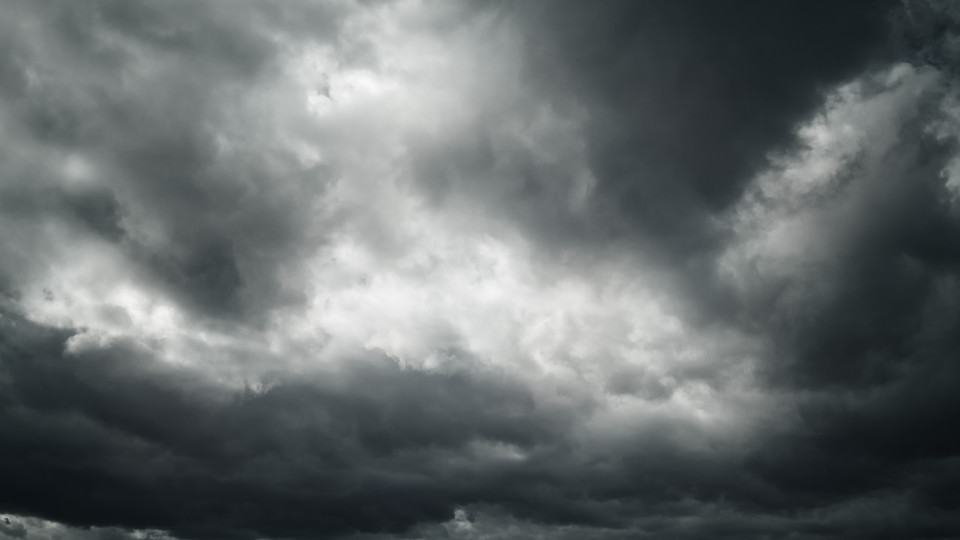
479, 270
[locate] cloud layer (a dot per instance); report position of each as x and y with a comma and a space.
413, 269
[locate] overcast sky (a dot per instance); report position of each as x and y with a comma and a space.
479, 269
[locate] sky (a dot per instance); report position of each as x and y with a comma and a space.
479, 269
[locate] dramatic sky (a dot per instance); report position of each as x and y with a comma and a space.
479, 269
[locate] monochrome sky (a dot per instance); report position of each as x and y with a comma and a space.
479, 269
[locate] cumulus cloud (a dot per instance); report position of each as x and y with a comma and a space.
412, 269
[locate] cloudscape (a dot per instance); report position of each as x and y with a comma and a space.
479, 269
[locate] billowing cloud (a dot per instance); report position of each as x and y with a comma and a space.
415, 269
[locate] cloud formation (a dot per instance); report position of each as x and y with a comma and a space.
413, 269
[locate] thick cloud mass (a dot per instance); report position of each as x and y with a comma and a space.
479, 270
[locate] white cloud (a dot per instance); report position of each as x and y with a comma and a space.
798, 216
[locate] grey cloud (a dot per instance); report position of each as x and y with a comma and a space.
683, 103
621, 127
116, 437
12, 529
868, 339
872, 517
143, 93
677, 107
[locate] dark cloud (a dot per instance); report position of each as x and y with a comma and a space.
683, 103
680, 105
928, 32
688, 99
869, 335
219, 221
114, 437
